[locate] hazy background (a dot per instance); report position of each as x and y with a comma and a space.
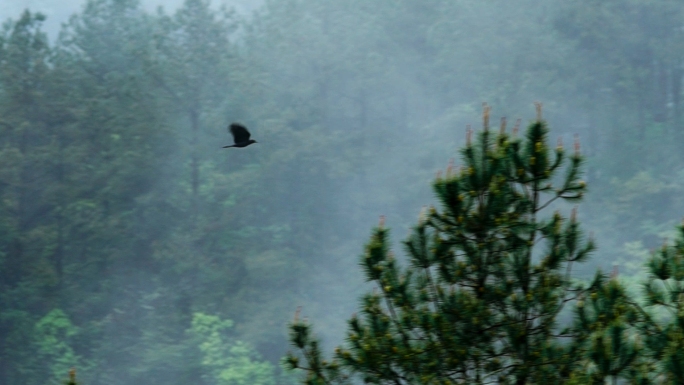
135, 248
58, 12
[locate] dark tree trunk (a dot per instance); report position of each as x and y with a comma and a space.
194, 160
676, 88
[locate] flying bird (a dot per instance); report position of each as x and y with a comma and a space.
240, 135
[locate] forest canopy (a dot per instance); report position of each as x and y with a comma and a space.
136, 249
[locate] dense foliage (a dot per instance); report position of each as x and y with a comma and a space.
134, 248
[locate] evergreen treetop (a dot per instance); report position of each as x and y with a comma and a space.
489, 274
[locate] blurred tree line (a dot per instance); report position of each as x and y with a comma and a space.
135, 249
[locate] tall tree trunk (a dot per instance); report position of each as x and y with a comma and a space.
194, 161
660, 103
58, 256
676, 90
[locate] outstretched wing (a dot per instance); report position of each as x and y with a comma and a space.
240, 133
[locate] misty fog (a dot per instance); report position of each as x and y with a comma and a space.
136, 249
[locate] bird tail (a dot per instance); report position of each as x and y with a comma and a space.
229, 146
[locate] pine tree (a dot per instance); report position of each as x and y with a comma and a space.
27, 270
191, 66
489, 275
606, 335
664, 292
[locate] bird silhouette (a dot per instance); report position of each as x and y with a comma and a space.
240, 135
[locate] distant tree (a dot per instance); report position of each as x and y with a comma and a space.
28, 270
630, 45
78, 135
53, 335
489, 275
227, 362
191, 66
622, 62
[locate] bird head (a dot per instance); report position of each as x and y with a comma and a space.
252, 141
